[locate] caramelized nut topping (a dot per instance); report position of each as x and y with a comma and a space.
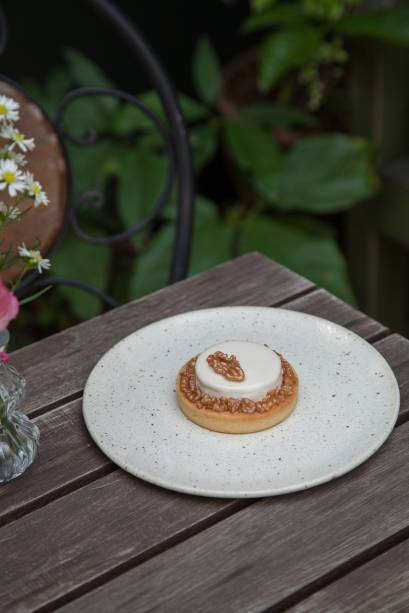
191, 390
226, 365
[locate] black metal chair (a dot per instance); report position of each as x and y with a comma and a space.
175, 141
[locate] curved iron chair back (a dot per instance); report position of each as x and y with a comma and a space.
176, 144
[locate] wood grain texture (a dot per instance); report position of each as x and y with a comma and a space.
260, 556
87, 533
395, 349
380, 585
58, 366
289, 522
324, 304
108, 525
67, 457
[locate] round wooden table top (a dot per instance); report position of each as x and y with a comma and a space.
48, 165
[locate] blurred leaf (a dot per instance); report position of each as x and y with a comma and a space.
285, 50
261, 5
277, 115
85, 114
141, 177
130, 118
212, 237
49, 95
206, 70
250, 147
267, 182
391, 25
204, 143
307, 247
89, 112
324, 174
83, 71
91, 165
278, 15
211, 245
152, 269
89, 263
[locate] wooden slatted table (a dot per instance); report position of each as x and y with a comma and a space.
79, 534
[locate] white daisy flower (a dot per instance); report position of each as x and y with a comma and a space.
11, 178
17, 138
9, 211
34, 258
35, 190
7, 154
18, 158
8, 109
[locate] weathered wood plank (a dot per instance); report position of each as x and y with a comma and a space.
260, 556
324, 304
379, 585
87, 533
395, 349
67, 458
71, 566
58, 366
294, 520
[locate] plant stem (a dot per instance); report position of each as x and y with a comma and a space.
23, 271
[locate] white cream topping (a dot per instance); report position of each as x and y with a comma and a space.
261, 366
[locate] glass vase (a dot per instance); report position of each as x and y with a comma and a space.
19, 437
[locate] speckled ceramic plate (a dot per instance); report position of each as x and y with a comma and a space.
348, 404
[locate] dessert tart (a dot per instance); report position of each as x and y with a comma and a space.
237, 387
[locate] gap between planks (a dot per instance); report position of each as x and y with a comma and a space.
98, 472
227, 511
340, 571
280, 303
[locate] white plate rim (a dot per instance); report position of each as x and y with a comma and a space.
261, 493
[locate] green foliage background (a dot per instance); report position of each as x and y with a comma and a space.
284, 198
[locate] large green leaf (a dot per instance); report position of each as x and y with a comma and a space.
130, 118
261, 5
211, 245
391, 25
251, 147
307, 247
267, 183
278, 15
91, 165
285, 50
152, 269
277, 115
141, 177
256, 152
85, 114
77, 259
83, 71
206, 70
212, 238
325, 174
93, 111
50, 93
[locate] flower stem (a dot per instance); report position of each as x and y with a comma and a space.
23, 271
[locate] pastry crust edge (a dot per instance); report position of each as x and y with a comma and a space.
237, 423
